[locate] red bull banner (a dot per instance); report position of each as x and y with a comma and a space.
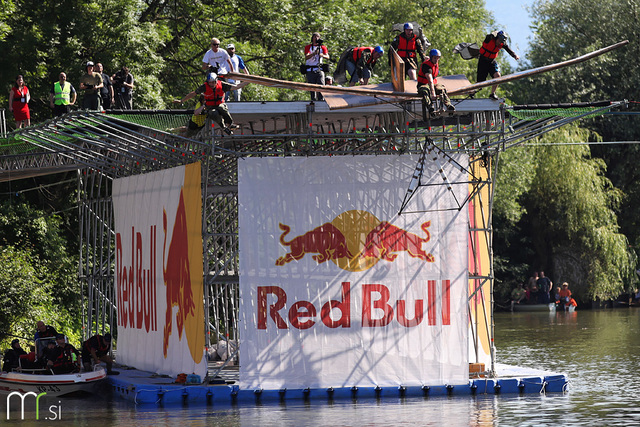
336, 288
158, 277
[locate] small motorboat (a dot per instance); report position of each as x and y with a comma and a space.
54, 385
534, 307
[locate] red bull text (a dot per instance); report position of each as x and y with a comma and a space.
136, 286
377, 310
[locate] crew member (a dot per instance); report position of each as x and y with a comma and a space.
64, 358
487, 63
214, 90
43, 334
428, 86
96, 349
12, 356
62, 95
91, 83
408, 46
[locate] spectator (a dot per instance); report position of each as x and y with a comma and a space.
123, 88
544, 287
359, 62
12, 356
565, 293
517, 295
314, 53
487, 63
62, 95
217, 60
19, 98
216, 109
91, 83
237, 66
408, 46
106, 91
428, 86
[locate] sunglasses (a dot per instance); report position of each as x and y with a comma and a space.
215, 44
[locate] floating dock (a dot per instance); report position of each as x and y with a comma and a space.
148, 388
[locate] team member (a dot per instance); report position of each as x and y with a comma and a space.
408, 46
214, 104
487, 64
96, 349
428, 86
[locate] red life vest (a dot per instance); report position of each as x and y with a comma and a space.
490, 50
213, 97
435, 68
358, 51
407, 48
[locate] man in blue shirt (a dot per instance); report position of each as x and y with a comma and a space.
238, 66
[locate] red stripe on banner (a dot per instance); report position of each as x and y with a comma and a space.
446, 302
431, 311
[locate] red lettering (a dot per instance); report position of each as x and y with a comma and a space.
138, 285
381, 303
417, 317
281, 296
344, 306
295, 314
431, 294
446, 302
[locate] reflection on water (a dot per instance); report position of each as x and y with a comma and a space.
599, 350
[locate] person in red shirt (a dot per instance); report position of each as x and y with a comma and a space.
19, 98
314, 54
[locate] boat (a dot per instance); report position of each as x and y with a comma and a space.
53, 385
534, 307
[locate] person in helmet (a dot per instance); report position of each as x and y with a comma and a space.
409, 46
487, 63
359, 62
428, 86
214, 106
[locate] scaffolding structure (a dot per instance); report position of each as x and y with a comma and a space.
103, 147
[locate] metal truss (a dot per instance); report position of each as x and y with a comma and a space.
103, 147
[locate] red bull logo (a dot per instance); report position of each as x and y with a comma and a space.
355, 241
182, 267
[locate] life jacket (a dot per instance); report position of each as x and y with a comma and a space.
96, 342
407, 48
490, 50
435, 69
213, 97
358, 51
61, 95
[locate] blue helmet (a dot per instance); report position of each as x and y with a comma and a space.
211, 77
408, 26
434, 52
378, 49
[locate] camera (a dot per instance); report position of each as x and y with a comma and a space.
319, 42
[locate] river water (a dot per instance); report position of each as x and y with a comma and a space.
599, 350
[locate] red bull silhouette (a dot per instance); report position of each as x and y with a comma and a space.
176, 273
327, 241
386, 240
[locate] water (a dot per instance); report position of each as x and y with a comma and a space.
599, 350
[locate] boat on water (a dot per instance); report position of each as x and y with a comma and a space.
54, 385
551, 307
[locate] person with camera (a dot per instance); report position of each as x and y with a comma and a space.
122, 88
106, 93
314, 53
408, 46
214, 106
216, 60
91, 83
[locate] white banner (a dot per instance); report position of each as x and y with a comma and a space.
337, 289
159, 291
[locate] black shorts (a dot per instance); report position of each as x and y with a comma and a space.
486, 67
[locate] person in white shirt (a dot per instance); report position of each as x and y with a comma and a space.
217, 58
238, 67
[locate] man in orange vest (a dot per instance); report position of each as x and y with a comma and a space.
408, 46
360, 63
428, 86
487, 64
214, 90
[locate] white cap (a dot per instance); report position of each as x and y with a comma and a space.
230, 46
89, 64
